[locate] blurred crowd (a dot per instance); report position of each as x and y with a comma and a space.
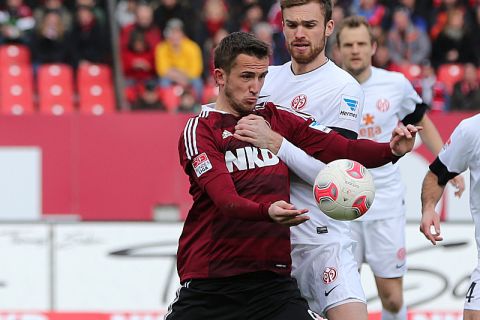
166, 45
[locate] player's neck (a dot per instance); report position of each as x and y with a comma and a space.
222, 105
364, 76
301, 68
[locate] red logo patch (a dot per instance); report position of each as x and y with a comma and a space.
401, 253
329, 275
299, 102
383, 105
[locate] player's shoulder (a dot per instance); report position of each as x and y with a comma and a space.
337, 75
278, 71
270, 109
382, 75
202, 119
469, 126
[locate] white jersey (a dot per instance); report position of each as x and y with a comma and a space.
389, 97
335, 99
462, 151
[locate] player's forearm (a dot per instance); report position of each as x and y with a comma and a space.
223, 194
431, 192
430, 135
303, 165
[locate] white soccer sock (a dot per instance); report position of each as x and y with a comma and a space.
401, 315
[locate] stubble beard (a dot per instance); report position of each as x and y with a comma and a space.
236, 105
306, 59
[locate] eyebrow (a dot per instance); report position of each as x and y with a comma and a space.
302, 21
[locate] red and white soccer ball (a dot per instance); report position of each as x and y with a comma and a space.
344, 190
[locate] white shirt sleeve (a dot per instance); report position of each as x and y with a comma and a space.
457, 152
303, 165
410, 99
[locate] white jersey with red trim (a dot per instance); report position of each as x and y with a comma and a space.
335, 99
462, 152
389, 97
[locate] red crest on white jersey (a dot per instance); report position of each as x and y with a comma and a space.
329, 275
299, 102
383, 105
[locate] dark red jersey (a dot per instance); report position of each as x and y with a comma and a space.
228, 230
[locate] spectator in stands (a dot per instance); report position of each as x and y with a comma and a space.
374, 12
278, 51
455, 43
169, 9
178, 59
49, 42
466, 93
208, 49
253, 14
214, 17
143, 24
331, 50
98, 11
53, 5
138, 60
419, 12
381, 58
125, 12
406, 42
149, 98
88, 41
188, 103
16, 22
433, 92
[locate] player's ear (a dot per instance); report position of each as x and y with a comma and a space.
374, 48
219, 75
329, 27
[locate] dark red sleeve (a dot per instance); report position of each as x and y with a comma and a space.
327, 145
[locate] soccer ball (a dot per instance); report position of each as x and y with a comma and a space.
344, 190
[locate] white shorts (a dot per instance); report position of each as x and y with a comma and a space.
381, 244
472, 298
327, 275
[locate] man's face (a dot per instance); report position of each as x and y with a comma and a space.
356, 49
305, 31
243, 84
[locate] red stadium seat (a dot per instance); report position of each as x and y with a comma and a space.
16, 89
14, 54
449, 74
410, 70
210, 93
171, 97
95, 89
55, 88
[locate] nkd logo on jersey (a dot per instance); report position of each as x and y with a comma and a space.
348, 108
249, 158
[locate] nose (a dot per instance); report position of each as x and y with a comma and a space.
256, 86
355, 48
299, 32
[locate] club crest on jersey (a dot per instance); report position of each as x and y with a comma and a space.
329, 275
299, 102
349, 108
201, 164
383, 105
317, 126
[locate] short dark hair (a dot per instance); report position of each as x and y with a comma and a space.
235, 44
353, 22
325, 4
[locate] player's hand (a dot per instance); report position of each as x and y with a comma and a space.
403, 139
255, 130
459, 183
285, 213
431, 219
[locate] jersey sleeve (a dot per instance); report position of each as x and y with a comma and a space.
350, 103
303, 165
327, 145
410, 99
457, 152
204, 163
